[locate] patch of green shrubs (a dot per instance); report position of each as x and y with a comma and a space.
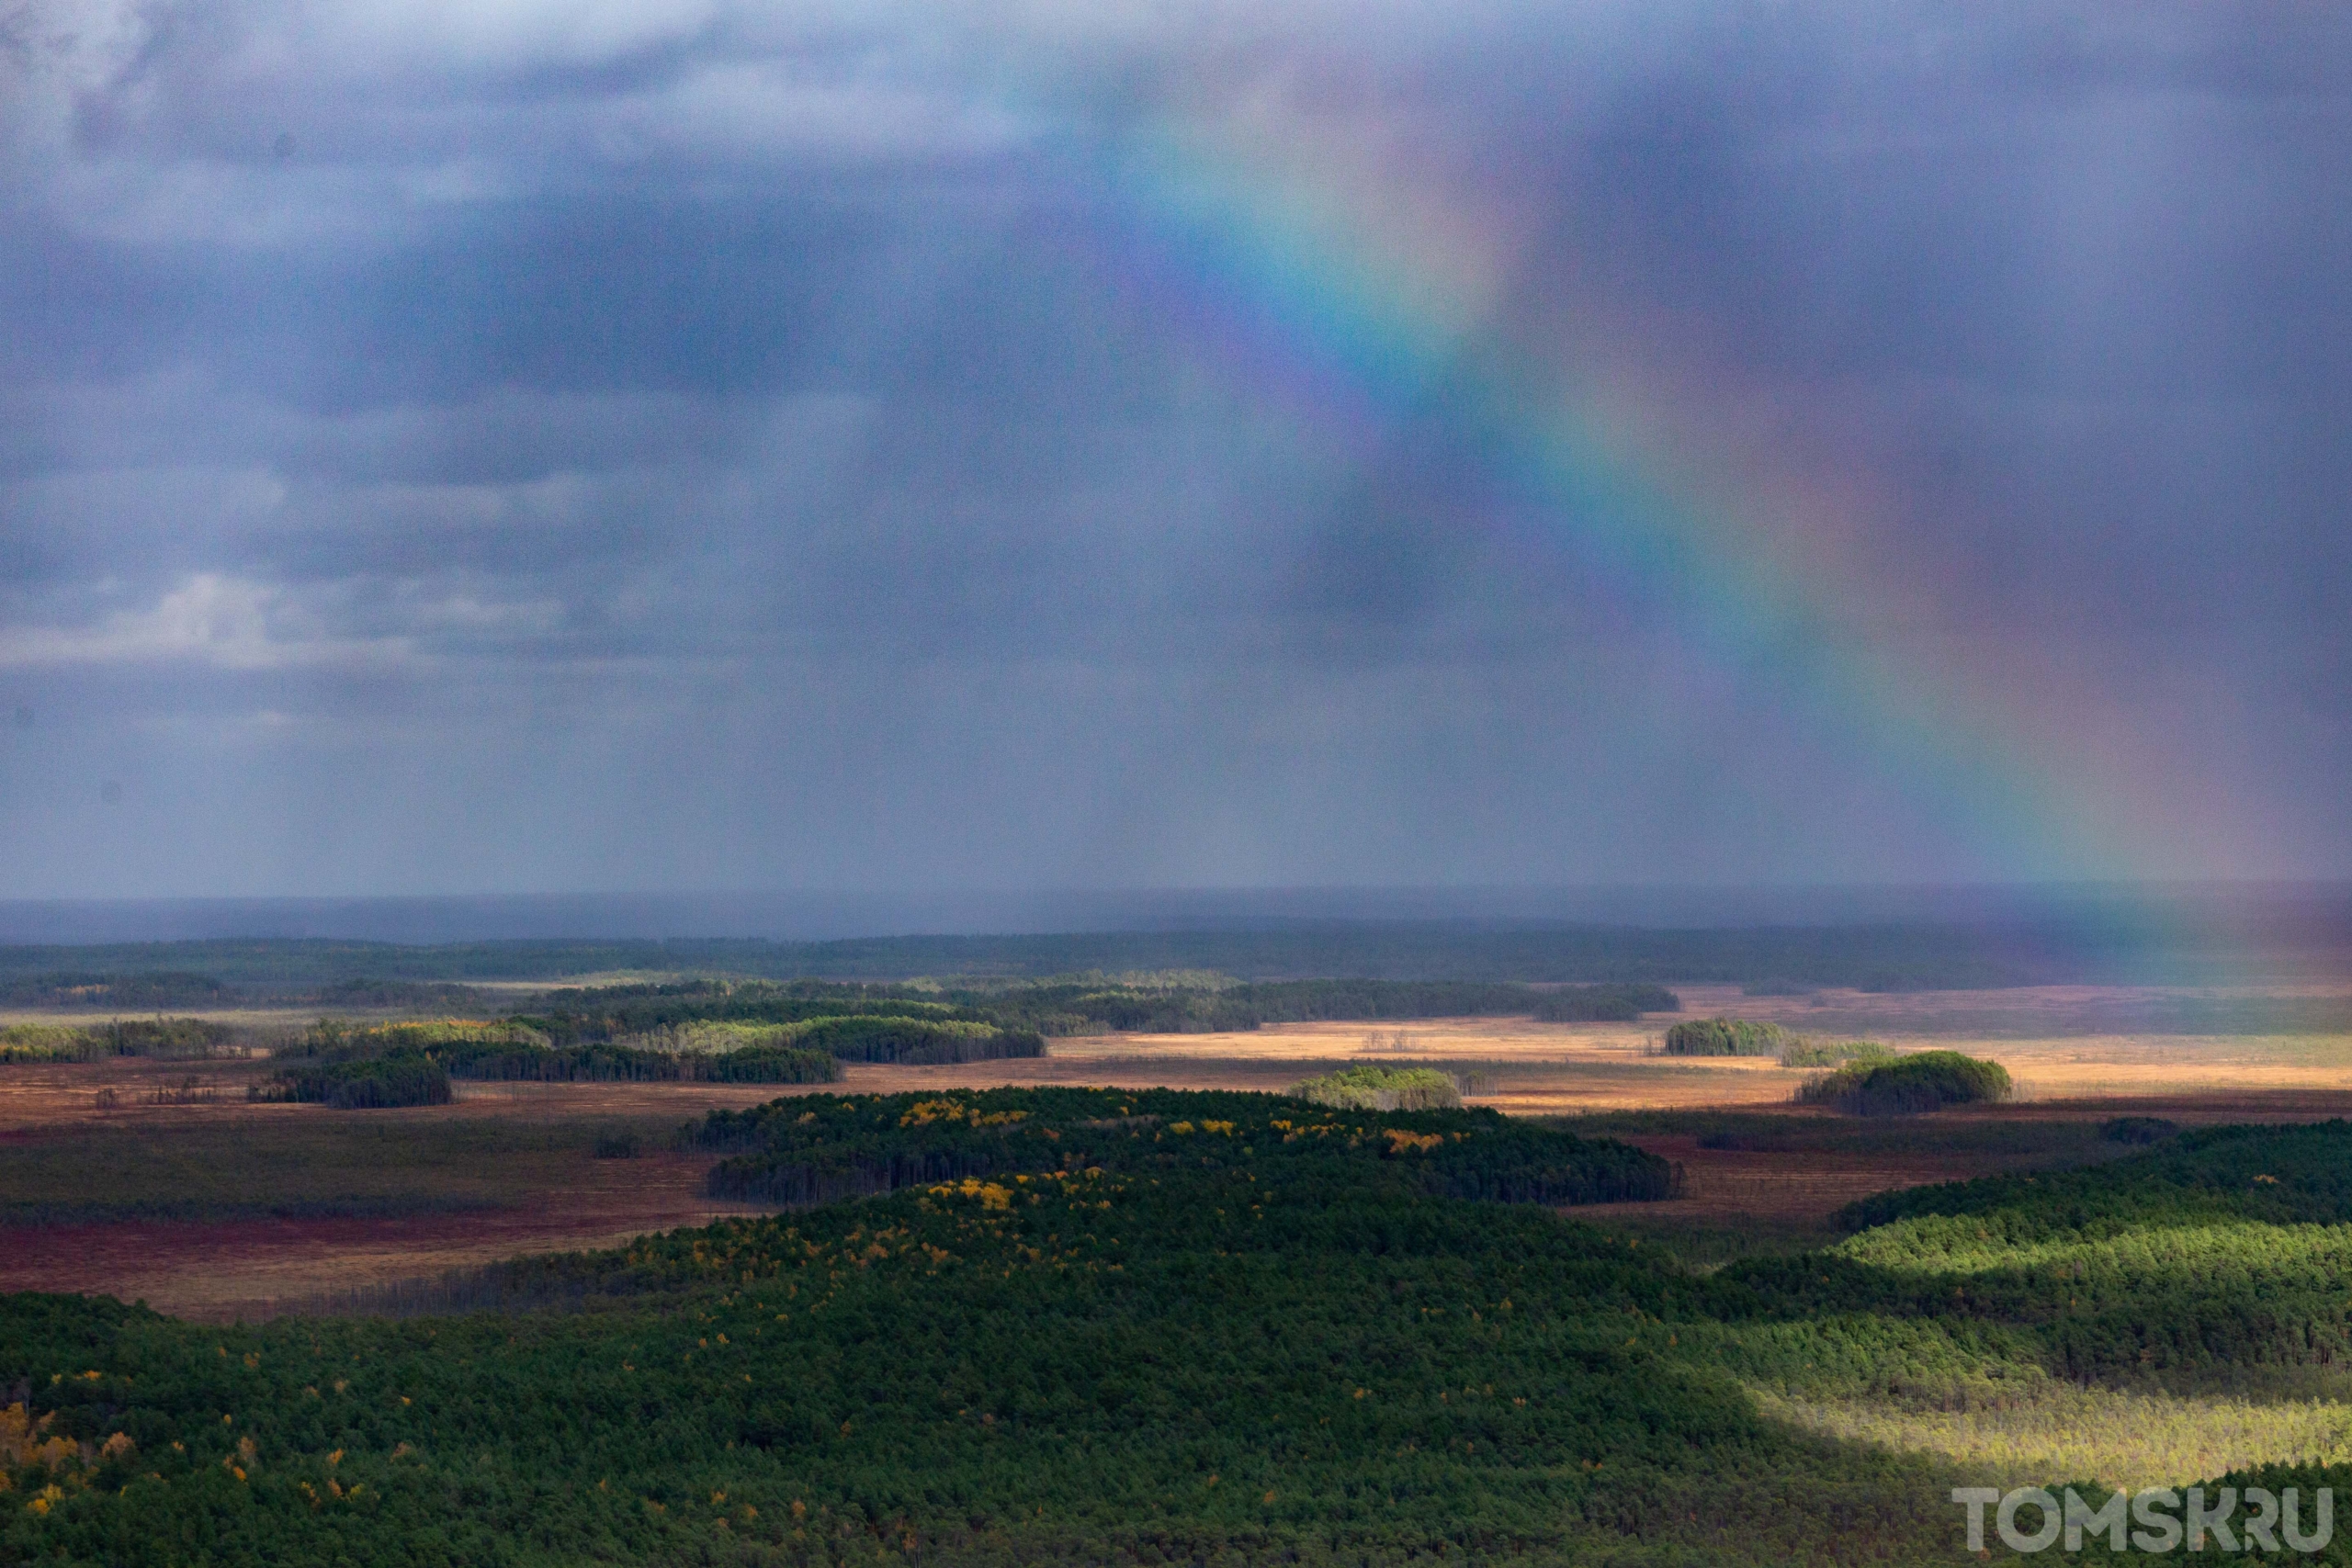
1803, 1053
1373, 1088
1905, 1085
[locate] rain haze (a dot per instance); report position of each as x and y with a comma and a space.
520, 446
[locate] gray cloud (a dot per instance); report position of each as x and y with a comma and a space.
561, 444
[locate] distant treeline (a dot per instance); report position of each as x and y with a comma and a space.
1082, 1009
1883, 957
852, 1022
411, 1064
168, 1037
138, 991
410, 1076
159, 989
921, 1041
957, 1023
373, 995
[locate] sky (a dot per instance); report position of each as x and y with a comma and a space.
546, 446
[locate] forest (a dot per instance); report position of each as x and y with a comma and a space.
1187, 1003
1089, 1326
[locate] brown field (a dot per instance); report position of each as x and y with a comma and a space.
255, 1268
2079, 1054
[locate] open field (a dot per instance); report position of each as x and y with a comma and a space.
256, 1266
209, 1206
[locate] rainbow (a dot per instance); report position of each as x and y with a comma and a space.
1303, 261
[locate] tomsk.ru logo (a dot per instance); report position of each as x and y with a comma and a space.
2163, 1519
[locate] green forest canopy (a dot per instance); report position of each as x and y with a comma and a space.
1247, 1341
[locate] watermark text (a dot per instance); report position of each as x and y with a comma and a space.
2159, 1519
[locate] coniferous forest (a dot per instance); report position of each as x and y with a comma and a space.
1060, 1325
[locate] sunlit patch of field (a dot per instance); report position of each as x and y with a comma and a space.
517, 988
2065, 1432
2058, 1043
1523, 1067
1421, 1037
2181, 1066
2315, 1010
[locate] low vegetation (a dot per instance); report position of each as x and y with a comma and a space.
1381, 1088
1905, 1085
286, 1166
1801, 1051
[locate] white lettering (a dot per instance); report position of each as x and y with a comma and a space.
2324, 1507
2005, 1519
2109, 1518
1976, 1497
2261, 1518
2164, 1531
2202, 1518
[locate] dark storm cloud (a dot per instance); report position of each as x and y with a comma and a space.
584, 444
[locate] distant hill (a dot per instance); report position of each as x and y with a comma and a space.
1884, 957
